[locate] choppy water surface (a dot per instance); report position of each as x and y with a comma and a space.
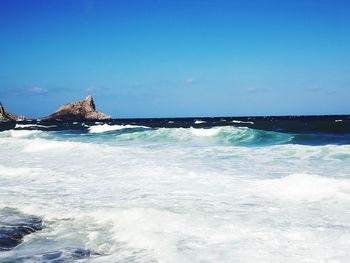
189, 190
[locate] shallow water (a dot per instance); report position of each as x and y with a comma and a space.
185, 194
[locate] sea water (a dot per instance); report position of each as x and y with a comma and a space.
197, 190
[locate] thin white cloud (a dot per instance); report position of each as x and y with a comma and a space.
313, 89
37, 90
190, 80
252, 89
93, 89
256, 90
90, 89
311, 86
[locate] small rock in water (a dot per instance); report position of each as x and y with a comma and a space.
14, 226
66, 254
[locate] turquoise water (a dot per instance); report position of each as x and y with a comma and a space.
197, 193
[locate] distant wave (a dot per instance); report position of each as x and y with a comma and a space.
205, 132
20, 133
106, 128
246, 122
34, 125
199, 122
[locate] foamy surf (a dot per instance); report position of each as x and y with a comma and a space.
185, 194
205, 132
19, 126
306, 187
24, 133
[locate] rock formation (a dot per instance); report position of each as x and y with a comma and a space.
80, 110
7, 116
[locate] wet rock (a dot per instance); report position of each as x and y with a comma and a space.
67, 254
7, 125
14, 226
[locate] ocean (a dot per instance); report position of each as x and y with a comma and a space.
248, 189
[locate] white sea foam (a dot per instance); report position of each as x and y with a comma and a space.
307, 187
24, 125
105, 128
24, 133
39, 145
174, 134
205, 132
199, 122
16, 171
34, 125
224, 135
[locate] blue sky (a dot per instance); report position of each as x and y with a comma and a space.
176, 58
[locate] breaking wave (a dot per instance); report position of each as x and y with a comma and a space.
21, 133
33, 126
199, 122
221, 135
107, 128
246, 122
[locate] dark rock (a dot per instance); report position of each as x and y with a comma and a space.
14, 226
64, 254
7, 116
76, 111
61, 255
7, 125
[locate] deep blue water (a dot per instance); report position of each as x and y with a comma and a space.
305, 130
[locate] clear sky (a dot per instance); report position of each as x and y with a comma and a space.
176, 58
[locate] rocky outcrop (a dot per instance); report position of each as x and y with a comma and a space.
7, 116
76, 111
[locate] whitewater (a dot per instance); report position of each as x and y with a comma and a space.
137, 193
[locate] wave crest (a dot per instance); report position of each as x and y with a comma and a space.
106, 128
222, 135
